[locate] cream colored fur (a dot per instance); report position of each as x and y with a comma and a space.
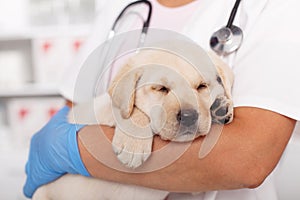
147, 94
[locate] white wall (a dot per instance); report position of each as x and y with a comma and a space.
13, 14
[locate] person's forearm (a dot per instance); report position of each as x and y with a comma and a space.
245, 154
186, 174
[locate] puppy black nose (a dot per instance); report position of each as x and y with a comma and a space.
187, 117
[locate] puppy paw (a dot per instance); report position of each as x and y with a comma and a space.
131, 151
222, 110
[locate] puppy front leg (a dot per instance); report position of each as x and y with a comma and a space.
131, 150
132, 142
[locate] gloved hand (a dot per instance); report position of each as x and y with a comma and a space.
53, 153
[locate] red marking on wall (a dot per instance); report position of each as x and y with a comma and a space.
23, 112
46, 46
77, 44
52, 111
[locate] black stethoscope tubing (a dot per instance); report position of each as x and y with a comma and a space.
224, 41
233, 13
146, 22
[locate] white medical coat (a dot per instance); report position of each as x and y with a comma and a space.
266, 67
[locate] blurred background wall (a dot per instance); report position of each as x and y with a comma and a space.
38, 40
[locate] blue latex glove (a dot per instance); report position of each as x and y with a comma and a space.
53, 153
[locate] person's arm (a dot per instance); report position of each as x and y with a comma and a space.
247, 151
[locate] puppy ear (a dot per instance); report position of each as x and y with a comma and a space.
122, 89
225, 73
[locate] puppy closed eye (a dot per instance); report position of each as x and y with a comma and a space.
161, 89
202, 86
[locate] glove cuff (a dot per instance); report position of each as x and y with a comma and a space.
74, 153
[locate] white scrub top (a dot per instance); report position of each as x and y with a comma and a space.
266, 67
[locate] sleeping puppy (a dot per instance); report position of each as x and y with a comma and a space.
155, 93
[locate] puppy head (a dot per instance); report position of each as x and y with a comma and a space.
173, 93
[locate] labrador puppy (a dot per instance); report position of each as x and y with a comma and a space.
155, 93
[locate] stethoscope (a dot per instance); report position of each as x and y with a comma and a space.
224, 41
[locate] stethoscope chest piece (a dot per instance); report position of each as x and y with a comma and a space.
226, 40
